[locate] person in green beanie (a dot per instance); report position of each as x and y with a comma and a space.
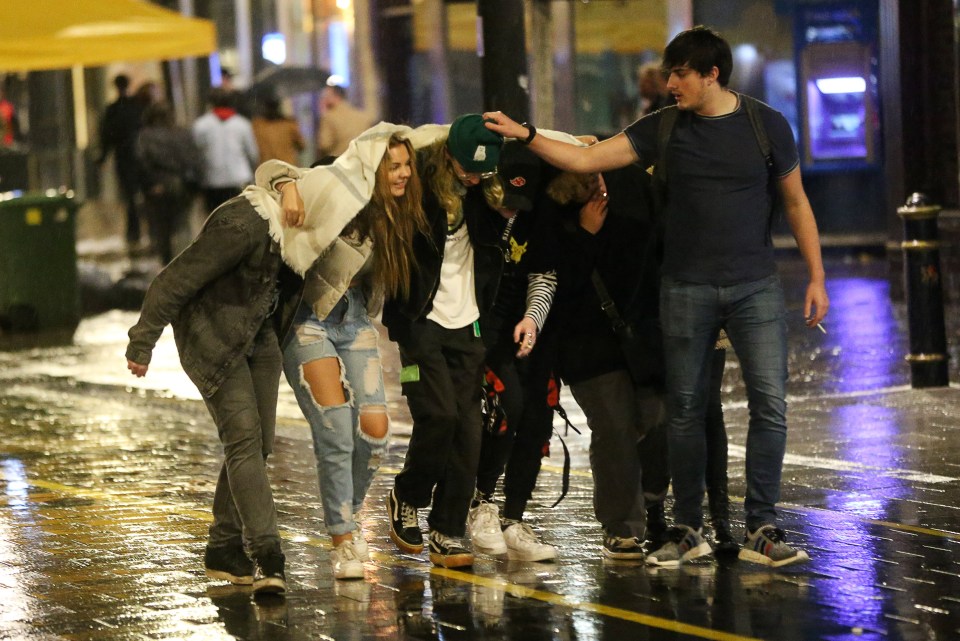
438, 332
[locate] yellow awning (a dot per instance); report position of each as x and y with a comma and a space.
59, 34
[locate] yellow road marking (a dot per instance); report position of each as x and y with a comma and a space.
520, 591
385, 559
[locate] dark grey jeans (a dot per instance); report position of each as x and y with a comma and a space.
244, 409
628, 453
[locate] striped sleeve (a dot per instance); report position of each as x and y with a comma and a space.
540, 290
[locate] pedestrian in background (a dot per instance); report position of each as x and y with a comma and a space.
340, 122
118, 135
9, 120
228, 149
718, 271
219, 294
170, 165
278, 136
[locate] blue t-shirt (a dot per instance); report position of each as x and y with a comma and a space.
718, 200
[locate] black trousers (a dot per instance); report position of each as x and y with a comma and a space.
521, 448
441, 381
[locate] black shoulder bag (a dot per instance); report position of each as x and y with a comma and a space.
641, 341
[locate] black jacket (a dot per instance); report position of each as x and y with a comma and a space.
488, 261
626, 254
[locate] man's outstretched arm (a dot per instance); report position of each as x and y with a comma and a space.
612, 153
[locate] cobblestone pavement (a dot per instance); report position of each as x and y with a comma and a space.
106, 484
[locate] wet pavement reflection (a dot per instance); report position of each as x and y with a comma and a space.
106, 483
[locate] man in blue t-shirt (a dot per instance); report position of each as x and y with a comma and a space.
718, 271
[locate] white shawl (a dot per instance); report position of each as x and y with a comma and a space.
334, 194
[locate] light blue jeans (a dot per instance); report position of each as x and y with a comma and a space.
347, 457
753, 315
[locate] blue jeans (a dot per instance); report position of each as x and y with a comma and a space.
347, 457
753, 315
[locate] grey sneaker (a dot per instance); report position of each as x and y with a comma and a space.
684, 544
768, 546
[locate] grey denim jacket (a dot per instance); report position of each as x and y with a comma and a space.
216, 294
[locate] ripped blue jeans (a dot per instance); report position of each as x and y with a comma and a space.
347, 457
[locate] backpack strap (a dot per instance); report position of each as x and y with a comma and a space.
763, 141
668, 118
751, 105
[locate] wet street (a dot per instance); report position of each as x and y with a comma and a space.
106, 483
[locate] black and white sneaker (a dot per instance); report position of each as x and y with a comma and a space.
448, 552
404, 527
623, 548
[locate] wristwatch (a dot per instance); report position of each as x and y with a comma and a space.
533, 132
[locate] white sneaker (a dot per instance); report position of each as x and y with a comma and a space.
360, 544
345, 562
483, 525
523, 544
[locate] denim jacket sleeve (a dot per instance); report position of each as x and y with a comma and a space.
217, 249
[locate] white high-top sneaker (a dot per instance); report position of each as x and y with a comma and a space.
524, 545
483, 525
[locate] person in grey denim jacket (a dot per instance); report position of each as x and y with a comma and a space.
219, 295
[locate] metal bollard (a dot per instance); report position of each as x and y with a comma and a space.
924, 289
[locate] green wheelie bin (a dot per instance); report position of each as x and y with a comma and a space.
39, 288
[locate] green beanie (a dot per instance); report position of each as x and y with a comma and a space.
475, 147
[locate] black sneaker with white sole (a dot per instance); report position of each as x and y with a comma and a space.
228, 563
268, 575
404, 527
448, 552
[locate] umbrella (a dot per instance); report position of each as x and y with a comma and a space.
288, 81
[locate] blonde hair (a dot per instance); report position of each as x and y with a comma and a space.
443, 182
392, 223
572, 188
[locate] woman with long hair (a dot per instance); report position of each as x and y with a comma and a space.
331, 358
459, 259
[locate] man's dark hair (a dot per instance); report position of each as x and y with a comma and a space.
701, 49
220, 97
121, 82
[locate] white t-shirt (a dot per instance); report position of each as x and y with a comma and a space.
455, 304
